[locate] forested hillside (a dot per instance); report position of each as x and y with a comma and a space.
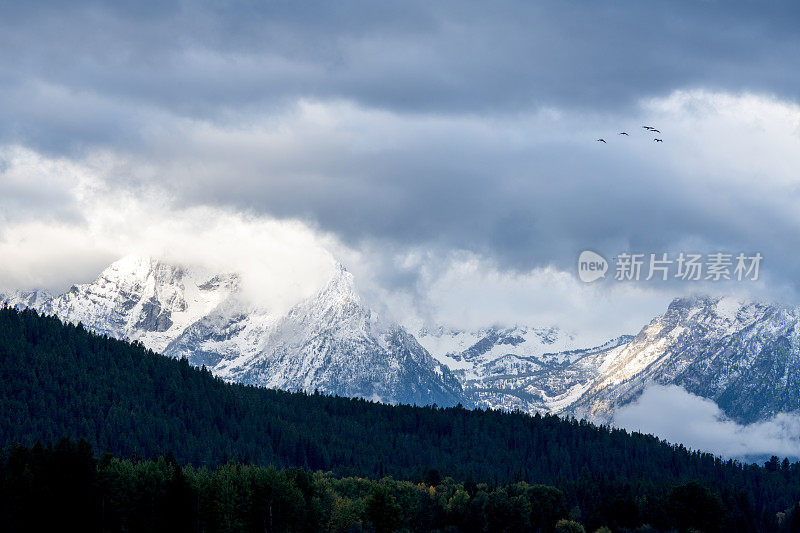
108, 494
59, 380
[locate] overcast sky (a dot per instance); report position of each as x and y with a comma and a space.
445, 152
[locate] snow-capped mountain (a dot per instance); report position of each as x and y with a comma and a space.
462, 350
530, 369
743, 355
139, 298
331, 341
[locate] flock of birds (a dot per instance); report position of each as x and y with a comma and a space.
649, 129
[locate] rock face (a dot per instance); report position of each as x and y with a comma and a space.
743, 355
330, 342
530, 369
137, 298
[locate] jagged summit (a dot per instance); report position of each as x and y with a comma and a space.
744, 355
142, 298
532, 369
21, 299
331, 341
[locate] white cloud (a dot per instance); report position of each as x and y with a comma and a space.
464, 290
460, 220
671, 413
280, 261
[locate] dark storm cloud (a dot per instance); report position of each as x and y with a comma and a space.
139, 79
527, 192
207, 60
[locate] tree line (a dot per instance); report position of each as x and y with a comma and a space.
65, 486
58, 380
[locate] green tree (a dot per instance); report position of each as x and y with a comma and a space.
382, 510
569, 526
692, 506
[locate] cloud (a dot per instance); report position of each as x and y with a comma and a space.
444, 152
431, 211
280, 261
462, 290
427, 136
671, 413
527, 191
200, 60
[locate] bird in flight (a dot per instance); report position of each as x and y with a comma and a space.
623, 133
647, 127
601, 141
658, 140
654, 130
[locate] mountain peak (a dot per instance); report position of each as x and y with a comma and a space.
341, 280
742, 354
136, 267
329, 341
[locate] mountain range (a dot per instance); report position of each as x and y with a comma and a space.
743, 355
330, 342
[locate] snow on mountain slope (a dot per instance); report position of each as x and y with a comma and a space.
137, 298
19, 299
145, 300
462, 350
331, 341
531, 369
743, 355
